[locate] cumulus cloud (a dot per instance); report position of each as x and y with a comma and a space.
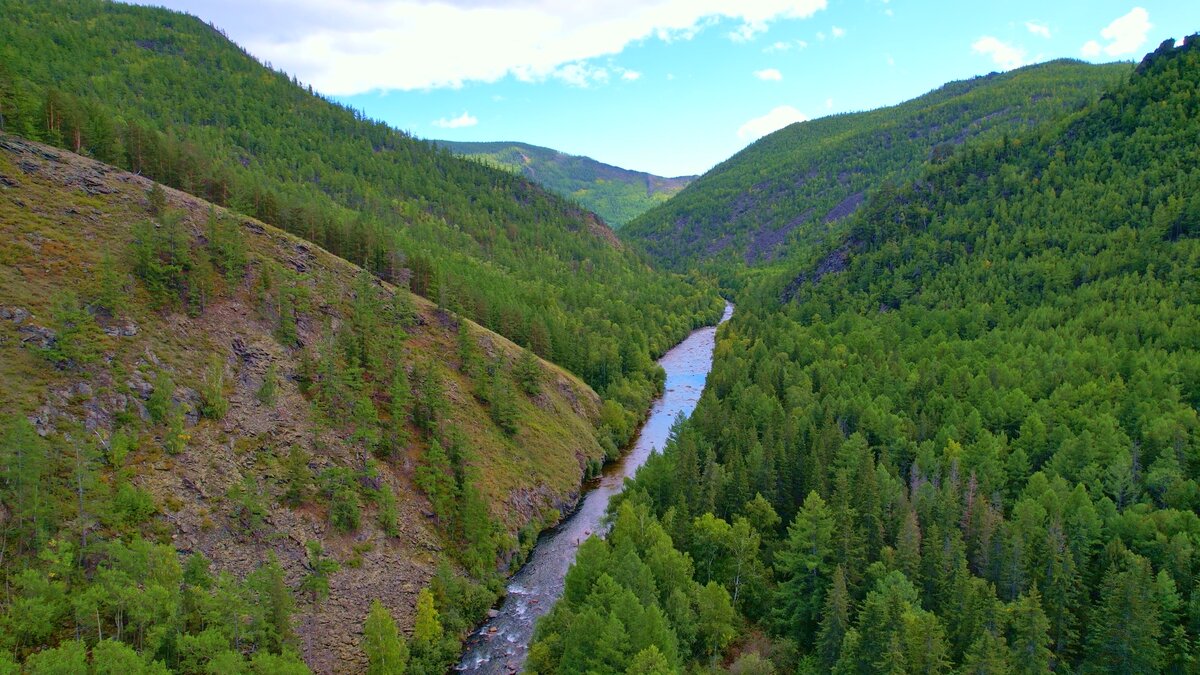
464, 120
1002, 54
838, 32
1125, 35
1036, 28
769, 74
777, 119
630, 75
784, 46
354, 46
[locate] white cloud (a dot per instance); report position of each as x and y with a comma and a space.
1125, 35
838, 32
464, 120
748, 31
784, 46
1003, 54
578, 74
777, 119
630, 75
1038, 28
353, 46
829, 104
891, 60
769, 75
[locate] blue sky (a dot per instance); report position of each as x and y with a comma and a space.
667, 86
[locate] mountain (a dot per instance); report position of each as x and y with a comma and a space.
211, 413
201, 382
617, 195
792, 185
167, 96
961, 436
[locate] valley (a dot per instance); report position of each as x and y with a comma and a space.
287, 390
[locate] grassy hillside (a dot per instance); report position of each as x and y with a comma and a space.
201, 382
961, 437
617, 195
167, 96
793, 185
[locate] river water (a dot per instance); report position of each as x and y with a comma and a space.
500, 645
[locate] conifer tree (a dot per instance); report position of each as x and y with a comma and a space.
805, 564
386, 650
835, 620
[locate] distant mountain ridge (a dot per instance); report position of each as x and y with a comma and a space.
615, 194
797, 182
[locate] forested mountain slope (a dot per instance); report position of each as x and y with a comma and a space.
186, 387
167, 96
617, 195
794, 184
964, 438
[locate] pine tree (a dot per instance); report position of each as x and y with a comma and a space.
835, 620
267, 391
386, 650
1029, 634
908, 547
275, 604
989, 655
213, 403
434, 476
528, 373
1124, 629
805, 564
316, 582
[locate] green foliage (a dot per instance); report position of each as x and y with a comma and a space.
339, 486
213, 403
298, 478
502, 400
429, 399
248, 509
617, 195
527, 373
267, 391
25, 469
388, 514
316, 581
111, 294
197, 113
436, 478
387, 651
77, 338
161, 397
432, 651
226, 247
794, 188
626, 594
975, 404
163, 261
69, 658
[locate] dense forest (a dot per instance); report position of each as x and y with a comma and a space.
286, 389
220, 445
167, 96
962, 438
790, 188
617, 195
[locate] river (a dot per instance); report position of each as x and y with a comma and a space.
500, 645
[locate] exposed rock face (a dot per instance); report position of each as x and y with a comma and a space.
527, 476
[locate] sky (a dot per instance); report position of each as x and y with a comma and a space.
667, 86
